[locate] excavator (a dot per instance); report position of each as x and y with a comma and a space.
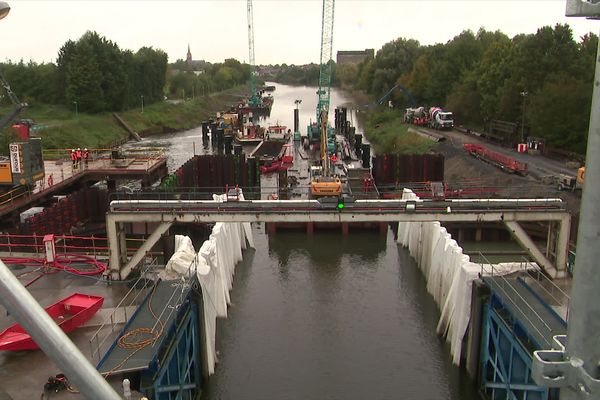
323, 180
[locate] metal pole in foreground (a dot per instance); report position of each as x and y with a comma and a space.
51, 339
574, 364
583, 335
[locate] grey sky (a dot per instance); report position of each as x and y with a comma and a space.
285, 31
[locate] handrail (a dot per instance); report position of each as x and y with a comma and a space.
530, 268
503, 284
111, 318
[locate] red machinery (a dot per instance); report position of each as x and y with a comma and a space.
502, 161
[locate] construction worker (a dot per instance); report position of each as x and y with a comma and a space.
78, 157
73, 158
86, 155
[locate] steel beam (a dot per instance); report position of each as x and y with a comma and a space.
332, 216
122, 273
114, 219
523, 238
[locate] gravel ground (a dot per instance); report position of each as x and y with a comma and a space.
461, 167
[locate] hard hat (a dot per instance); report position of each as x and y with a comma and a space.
79, 148
72, 150
85, 149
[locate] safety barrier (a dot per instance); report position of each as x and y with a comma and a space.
14, 245
101, 337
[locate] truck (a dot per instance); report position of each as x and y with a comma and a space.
440, 119
416, 116
568, 182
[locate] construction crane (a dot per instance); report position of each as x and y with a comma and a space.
323, 182
17, 105
255, 99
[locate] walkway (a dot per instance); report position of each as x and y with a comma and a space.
534, 315
147, 167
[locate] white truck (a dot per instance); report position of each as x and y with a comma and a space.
440, 119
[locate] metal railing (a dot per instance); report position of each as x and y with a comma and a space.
548, 287
96, 246
518, 302
12, 195
99, 345
132, 297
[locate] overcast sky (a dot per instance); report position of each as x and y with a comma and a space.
285, 31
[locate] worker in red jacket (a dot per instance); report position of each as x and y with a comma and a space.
86, 156
78, 157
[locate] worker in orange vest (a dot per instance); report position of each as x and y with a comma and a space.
73, 158
86, 155
78, 157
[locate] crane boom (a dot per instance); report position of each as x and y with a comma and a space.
325, 183
325, 61
254, 99
17, 105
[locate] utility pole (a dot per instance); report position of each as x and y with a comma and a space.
76, 109
524, 94
574, 364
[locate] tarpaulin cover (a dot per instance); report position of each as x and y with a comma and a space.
449, 274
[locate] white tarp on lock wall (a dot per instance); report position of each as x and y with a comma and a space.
214, 265
449, 274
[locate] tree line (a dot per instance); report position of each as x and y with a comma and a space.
96, 75
487, 75
186, 80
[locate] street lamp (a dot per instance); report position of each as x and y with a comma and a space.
142, 98
524, 94
76, 109
4, 9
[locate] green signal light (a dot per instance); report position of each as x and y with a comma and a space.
340, 206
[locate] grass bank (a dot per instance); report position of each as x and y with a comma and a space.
62, 129
388, 133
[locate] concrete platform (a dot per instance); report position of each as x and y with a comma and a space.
65, 178
23, 373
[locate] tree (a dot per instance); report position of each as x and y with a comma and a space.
83, 85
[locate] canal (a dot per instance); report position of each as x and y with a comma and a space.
327, 317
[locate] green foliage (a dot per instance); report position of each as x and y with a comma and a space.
388, 134
185, 83
95, 73
480, 77
294, 74
61, 129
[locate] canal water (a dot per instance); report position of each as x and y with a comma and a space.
327, 317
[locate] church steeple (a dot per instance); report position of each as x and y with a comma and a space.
189, 55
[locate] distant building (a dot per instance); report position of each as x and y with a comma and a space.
188, 58
354, 56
